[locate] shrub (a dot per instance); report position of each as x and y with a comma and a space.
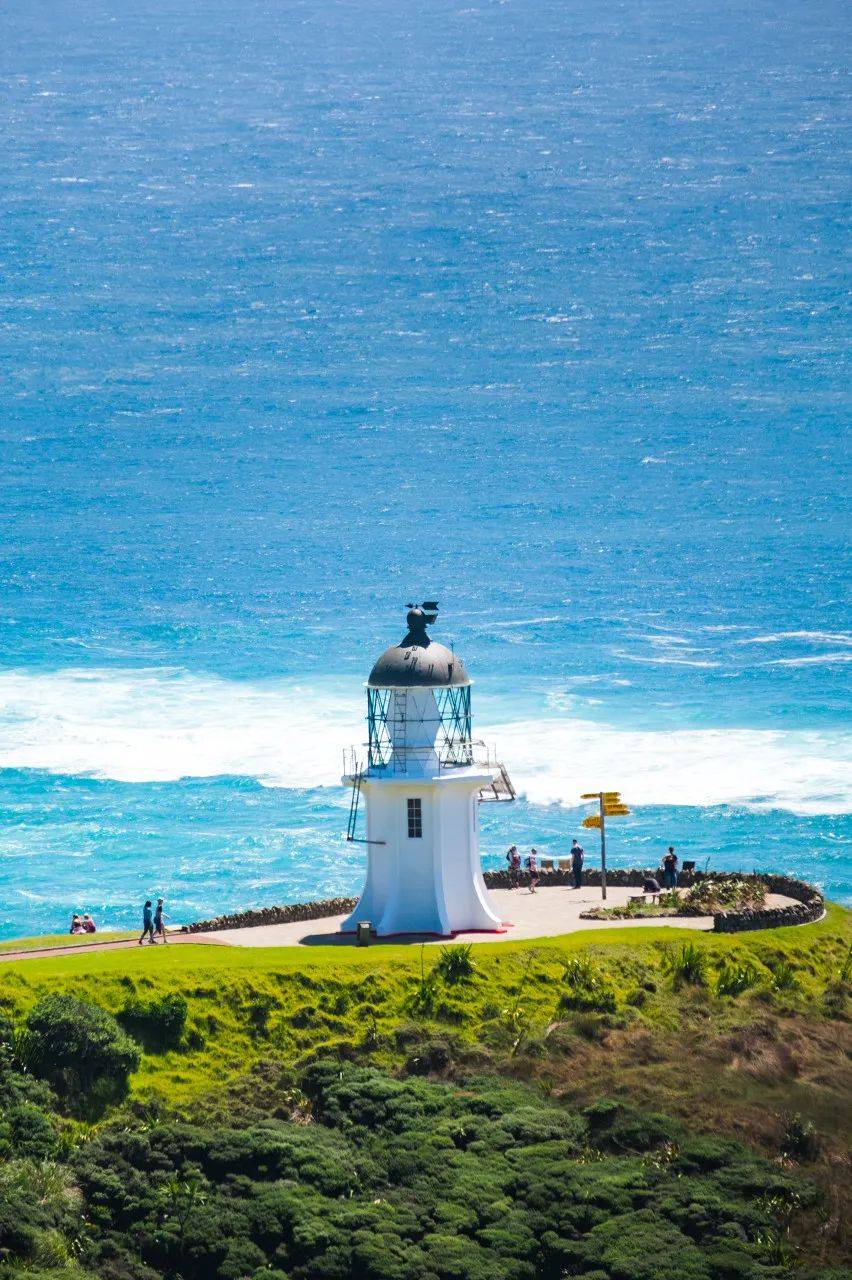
799, 1140
735, 893
784, 976
80, 1050
157, 1024
686, 964
589, 992
456, 963
734, 979
29, 1131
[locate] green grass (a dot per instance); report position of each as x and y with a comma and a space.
51, 940
248, 1003
606, 1013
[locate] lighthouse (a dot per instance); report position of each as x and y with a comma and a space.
422, 779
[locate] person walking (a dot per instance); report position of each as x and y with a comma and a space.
578, 853
159, 918
513, 858
147, 923
670, 869
532, 868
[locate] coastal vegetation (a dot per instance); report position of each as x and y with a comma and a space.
608, 1108
706, 898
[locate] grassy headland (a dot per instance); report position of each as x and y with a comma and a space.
744, 1037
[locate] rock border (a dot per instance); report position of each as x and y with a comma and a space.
808, 905
289, 913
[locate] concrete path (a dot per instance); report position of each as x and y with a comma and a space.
107, 944
543, 914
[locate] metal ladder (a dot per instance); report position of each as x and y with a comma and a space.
358, 774
399, 724
357, 777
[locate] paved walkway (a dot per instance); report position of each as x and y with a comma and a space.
544, 914
107, 944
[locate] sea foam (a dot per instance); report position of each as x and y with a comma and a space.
164, 724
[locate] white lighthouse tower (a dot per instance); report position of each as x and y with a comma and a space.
422, 784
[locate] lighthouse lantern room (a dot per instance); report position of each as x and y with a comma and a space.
422, 781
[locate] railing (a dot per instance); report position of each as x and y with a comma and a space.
450, 756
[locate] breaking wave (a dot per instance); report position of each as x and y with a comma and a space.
162, 725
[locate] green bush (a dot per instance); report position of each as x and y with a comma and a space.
588, 991
800, 1140
686, 964
456, 963
80, 1050
784, 977
734, 979
157, 1024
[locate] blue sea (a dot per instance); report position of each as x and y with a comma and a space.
536, 307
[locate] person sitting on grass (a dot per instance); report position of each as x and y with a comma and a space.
147, 924
76, 925
532, 868
89, 925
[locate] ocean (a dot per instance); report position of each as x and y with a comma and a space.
308, 310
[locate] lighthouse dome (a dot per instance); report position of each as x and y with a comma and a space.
418, 661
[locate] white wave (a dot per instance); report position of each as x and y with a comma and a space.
814, 637
663, 660
161, 725
526, 622
813, 659
555, 761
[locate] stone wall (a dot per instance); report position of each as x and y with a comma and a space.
808, 907
286, 914
617, 877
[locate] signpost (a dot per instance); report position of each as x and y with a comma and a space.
611, 806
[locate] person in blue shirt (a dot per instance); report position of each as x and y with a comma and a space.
147, 924
670, 869
577, 855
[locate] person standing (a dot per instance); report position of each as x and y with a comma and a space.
159, 918
532, 868
147, 923
513, 858
578, 853
670, 869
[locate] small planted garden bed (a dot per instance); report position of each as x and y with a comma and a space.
706, 898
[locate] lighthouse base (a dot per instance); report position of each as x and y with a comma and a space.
424, 877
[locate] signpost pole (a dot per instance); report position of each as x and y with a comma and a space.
603, 850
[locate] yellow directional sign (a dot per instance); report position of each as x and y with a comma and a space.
616, 810
591, 822
591, 795
611, 795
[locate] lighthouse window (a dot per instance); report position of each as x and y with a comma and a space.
415, 819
